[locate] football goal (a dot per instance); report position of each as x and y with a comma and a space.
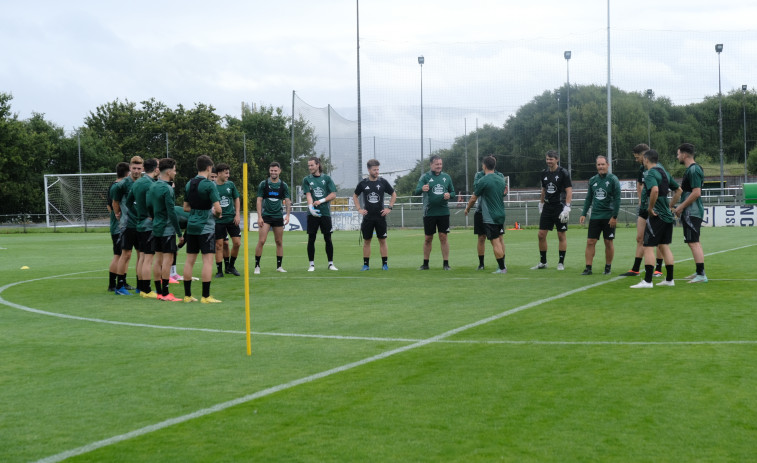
77, 199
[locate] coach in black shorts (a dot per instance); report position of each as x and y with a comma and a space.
372, 190
554, 205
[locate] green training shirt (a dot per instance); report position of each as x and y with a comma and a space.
228, 193
273, 194
202, 221
654, 178
693, 178
434, 204
603, 197
162, 203
491, 189
319, 187
139, 191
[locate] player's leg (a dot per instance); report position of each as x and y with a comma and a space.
278, 236
591, 249
443, 228
208, 249
262, 237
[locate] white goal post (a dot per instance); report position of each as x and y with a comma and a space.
77, 199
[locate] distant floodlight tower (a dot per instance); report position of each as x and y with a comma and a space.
567, 63
743, 92
718, 49
558, 124
649, 118
421, 60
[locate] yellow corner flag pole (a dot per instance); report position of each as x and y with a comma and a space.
245, 233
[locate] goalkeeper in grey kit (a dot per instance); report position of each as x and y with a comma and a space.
554, 207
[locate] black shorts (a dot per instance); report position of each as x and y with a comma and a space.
657, 232
601, 227
129, 239
223, 228
494, 231
165, 244
691, 226
550, 218
319, 223
644, 214
433, 223
201, 243
478, 224
373, 223
146, 242
273, 221
116, 244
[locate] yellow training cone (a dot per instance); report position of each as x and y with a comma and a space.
25, 267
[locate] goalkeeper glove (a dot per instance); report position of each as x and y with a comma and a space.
565, 214
541, 207
313, 211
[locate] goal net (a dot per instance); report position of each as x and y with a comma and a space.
77, 199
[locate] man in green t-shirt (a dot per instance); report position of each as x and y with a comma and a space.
491, 188
204, 206
229, 221
659, 228
319, 190
127, 227
122, 170
165, 225
273, 197
603, 198
143, 221
478, 221
436, 188
691, 210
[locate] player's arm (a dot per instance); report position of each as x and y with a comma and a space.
615, 204
471, 202
422, 186
288, 205
259, 208
168, 203
676, 197
330, 197
450, 190
356, 201
237, 209
695, 194
217, 211
187, 207
653, 194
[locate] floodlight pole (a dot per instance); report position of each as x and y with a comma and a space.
743, 92
567, 63
359, 113
718, 49
649, 120
558, 124
421, 60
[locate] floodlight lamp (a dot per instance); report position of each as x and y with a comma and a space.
421, 60
558, 94
649, 93
567, 54
743, 88
719, 47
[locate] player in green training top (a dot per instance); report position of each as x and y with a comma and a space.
436, 188
478, 221
659, 229
603, 198
127, 230
273, 197
122, 170
319, 190
204, 206
491, 188
165, 225
229, 221
691, 210
144, 228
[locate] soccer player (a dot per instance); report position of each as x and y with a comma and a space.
554, 207
436, 187
127, 226
603, 198
204, 206
143, 222
372, 190
491, 188
641, 219
122, 170
273, 197
165, 225
319, 190
229, 221
478, 221
659, 229
691, 210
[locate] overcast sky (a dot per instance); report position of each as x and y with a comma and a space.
64, 59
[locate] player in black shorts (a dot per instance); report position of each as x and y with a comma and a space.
554, 206
372, 190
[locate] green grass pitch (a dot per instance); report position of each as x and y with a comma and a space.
377, 366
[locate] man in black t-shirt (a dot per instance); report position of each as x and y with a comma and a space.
372, 190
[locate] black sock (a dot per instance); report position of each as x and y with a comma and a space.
445, 263
501, 263
232, 262
669, 273
188, 287
425, 262
543, 257
165, 287
226, 262
158, 287
561, 254
658, 267
481, 261
648, 272
219, 266
608, 267
278, 261
636, 264
700, 269
120, 281
111, 280
384, 260
366, 260
205, 289
588, 267
257, 261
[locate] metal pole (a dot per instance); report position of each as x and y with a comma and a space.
328, 113
649, 117
567, 63
359, 116
558, 124
719, 48
81, 185
421, 60
167, 155
291, 175
609, 96
743, 91
465, 139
